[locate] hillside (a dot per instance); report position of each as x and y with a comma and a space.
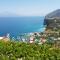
52, 20
54, 14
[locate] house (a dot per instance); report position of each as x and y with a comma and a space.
31, 40
43, 40
5, 38
1, 38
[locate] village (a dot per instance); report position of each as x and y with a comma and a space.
37, 37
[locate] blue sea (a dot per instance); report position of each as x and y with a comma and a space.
18, 25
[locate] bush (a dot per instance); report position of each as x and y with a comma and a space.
18, 50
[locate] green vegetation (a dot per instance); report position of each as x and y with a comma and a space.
26, 51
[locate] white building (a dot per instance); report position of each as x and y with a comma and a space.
1, 38
31, 39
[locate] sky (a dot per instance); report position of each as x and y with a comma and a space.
28, 7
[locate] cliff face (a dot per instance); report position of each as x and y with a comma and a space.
52, 20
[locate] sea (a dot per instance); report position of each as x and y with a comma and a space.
19, 25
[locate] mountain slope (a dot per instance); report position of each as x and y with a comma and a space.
54, 14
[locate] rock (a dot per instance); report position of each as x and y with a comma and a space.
52, 20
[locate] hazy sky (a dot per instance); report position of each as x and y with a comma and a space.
28, 7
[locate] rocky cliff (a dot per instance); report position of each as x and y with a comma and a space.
52, 20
